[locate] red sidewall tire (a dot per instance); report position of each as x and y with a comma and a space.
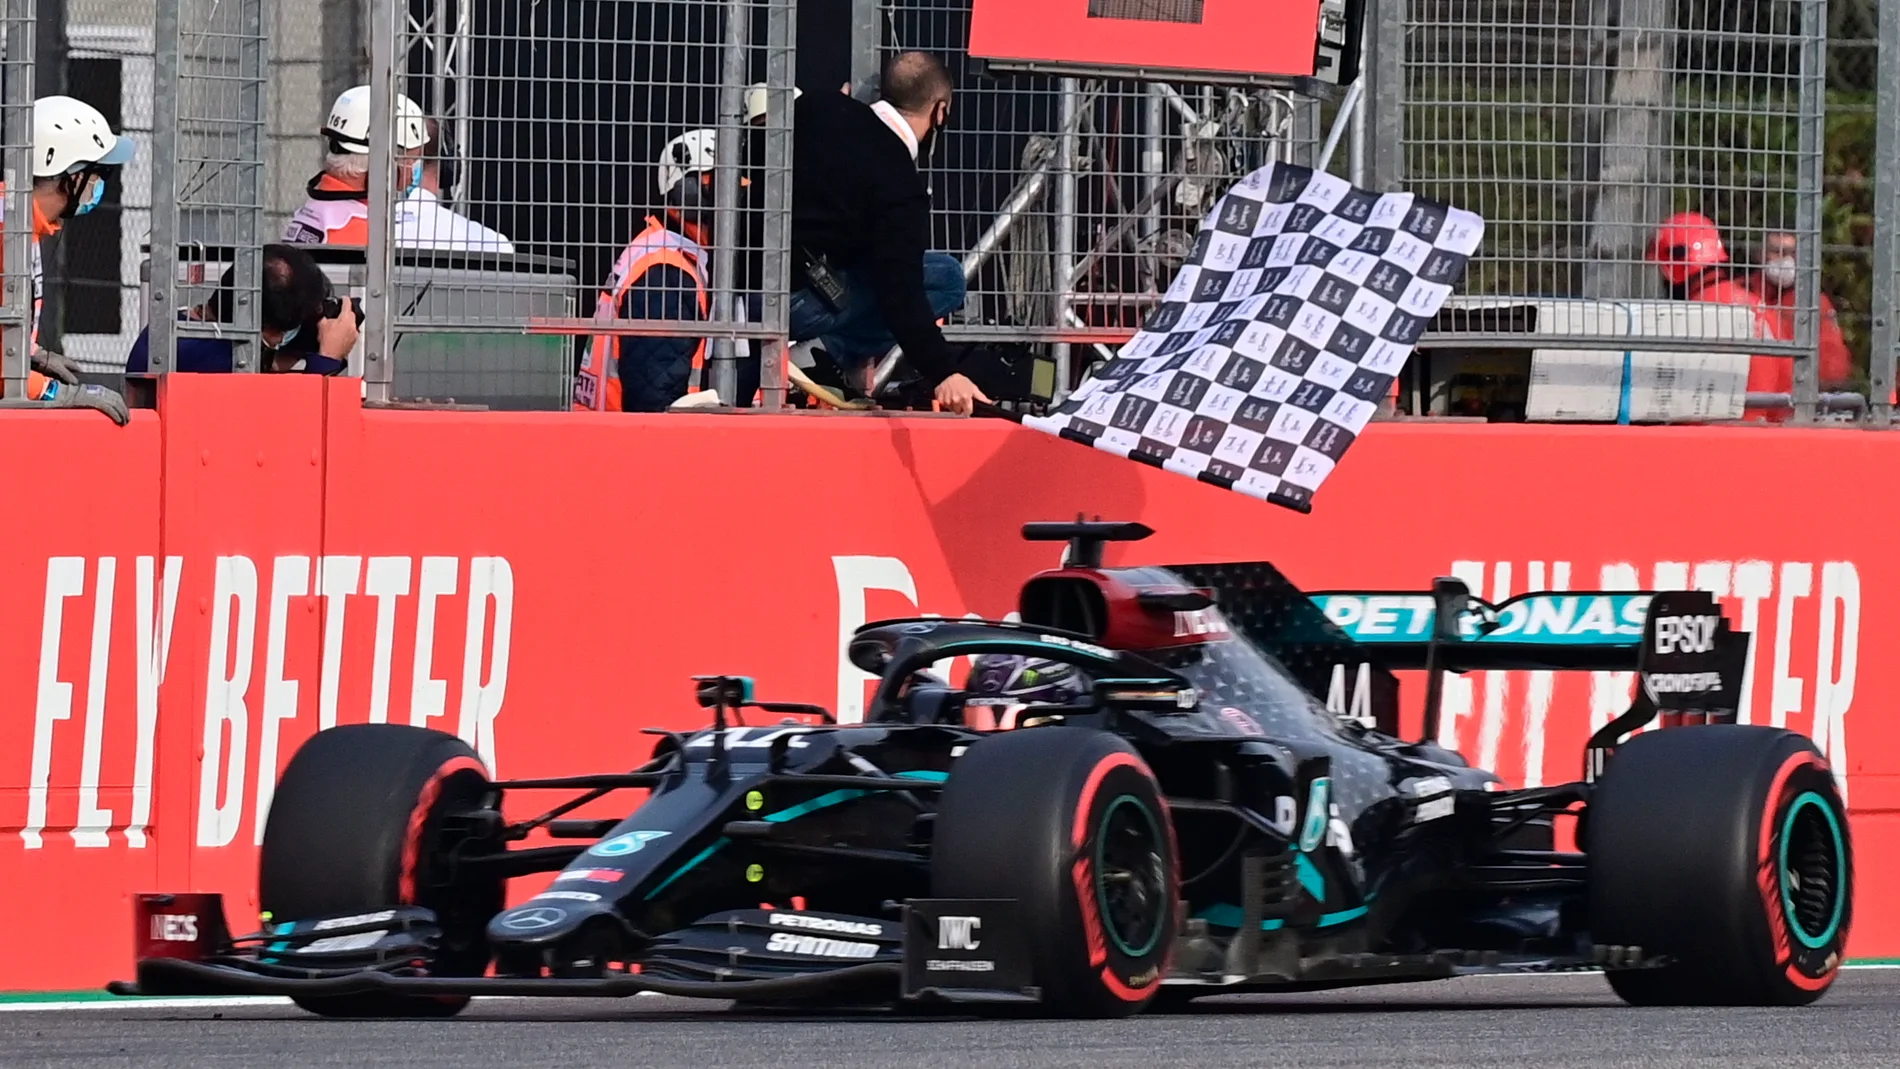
1726, 850
353, 826
1046, 816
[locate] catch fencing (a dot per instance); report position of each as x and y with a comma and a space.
572, 129
211, 88
1573, 126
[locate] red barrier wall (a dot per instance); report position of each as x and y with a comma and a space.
544, 584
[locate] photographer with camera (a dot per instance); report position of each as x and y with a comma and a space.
305, 327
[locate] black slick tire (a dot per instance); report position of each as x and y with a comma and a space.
1071, 824
353, 826
1725, 850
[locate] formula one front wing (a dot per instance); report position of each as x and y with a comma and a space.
184, 948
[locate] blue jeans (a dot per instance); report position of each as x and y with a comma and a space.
857, 335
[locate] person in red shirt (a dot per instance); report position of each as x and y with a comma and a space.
1774, 284
1688, 251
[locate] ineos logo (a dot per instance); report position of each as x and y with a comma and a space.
175, 927
1686, 634
958, 933
1198, 622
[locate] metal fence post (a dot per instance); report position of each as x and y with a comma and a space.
16, 127
380, 292
867, 44
49, 76
208, 122
1385, 102
781, 37
726, 242
1359, 145
1066, 181
1811, 111
163, 304
1154, 164
247, 351
1886, 295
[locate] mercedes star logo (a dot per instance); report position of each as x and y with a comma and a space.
532, 917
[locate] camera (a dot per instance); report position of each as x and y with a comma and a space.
333, 307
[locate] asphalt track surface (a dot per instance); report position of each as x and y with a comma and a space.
1539, 1022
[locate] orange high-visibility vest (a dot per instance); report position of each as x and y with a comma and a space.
597, 387
38, 386
335, 214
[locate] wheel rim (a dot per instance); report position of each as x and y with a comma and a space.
1812, 891
1131, 876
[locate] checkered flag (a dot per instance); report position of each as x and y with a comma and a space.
1297, 307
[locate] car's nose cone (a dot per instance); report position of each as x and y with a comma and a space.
539, 921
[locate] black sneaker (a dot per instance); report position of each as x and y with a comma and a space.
823, 381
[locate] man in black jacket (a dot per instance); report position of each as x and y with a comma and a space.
862, 279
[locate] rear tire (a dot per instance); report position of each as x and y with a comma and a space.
1725, 848
1070, 823
353, 827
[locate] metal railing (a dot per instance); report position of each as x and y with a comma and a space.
569, 123
208, 136
16, 159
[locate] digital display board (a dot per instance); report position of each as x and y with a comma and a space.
1215, 40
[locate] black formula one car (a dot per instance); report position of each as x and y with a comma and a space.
1198, 822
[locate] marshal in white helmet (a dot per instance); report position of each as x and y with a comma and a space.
755, 103
690, 155
73, 146
75, 154
337, 212
348, 125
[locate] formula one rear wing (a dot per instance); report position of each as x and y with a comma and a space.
1689, 661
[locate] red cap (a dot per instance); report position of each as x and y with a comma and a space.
1685, 244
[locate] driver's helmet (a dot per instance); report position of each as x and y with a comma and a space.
1002, 684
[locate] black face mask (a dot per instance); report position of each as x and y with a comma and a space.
927, 145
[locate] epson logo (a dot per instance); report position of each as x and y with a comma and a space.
826, 924
175, 927
818, 947
1686, 634
958, 933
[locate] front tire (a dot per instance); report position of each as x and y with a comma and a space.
1071, 824
354, 826
1724, 848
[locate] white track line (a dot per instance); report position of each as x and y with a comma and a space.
207, 1003
213, 1002
198, 1002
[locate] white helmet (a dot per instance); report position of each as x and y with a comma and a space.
755, 101
70, 135
348, 128
690, 153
